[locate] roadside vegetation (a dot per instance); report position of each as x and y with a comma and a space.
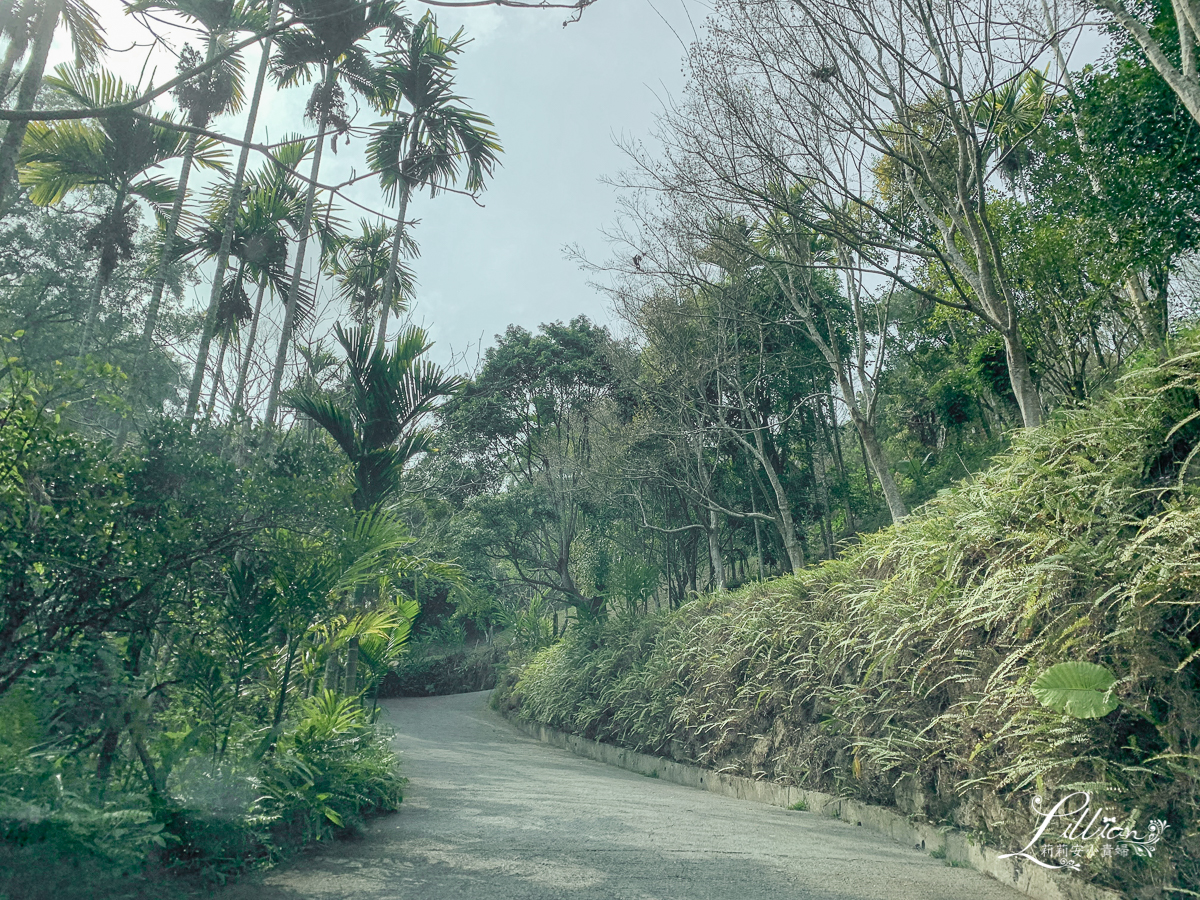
902, 673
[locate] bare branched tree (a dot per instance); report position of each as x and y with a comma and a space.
883, 113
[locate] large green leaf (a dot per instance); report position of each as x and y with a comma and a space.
1079, 689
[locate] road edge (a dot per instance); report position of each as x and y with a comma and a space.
958, 846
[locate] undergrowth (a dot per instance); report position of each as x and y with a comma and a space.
900, 672
60, 837
428, 670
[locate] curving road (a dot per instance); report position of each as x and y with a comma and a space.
493, 815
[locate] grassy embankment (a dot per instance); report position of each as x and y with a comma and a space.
900, 673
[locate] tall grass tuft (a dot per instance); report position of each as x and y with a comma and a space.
900, 673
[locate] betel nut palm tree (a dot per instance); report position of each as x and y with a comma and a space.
117, 151
235, 194
376, 419
31, 27
361, 264
203, 97
266, 220
326, 43
431, 136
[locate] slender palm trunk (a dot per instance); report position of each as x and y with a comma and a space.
239, 393
31, 81
284, 680
289, 315
16, 49
217, 369
393, 267
89, 321
102, 278
235, 196
168, 241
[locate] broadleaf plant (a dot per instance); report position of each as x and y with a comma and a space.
1079, 689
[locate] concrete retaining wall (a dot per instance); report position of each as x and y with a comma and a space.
1027, 878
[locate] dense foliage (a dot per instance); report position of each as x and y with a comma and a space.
902, 672
170, 631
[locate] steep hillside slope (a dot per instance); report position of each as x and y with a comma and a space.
901, 673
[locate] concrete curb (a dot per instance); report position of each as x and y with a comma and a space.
1029, 879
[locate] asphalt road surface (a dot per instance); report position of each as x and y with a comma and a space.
493, 815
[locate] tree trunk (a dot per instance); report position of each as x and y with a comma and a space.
235, 196
1020, 375
31, 82
16, 49
757, 535
352, 667
89, 321
289, 315
239, 393
108, 753
867, 464
292, 644
393, 267
873, 451
784, 522
714, 551
102, 278
212, 395
168, 241
329, 680
1149, 319
818, 470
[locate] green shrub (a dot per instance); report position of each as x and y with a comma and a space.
426, 670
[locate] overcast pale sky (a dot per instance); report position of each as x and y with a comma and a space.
558, 97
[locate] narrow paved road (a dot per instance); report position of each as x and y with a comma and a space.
493, 815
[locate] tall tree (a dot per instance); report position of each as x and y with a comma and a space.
874, 109
116, 151
361, 264
529, 420
327, 43
267, 218
377, 420
214, 299
1169, 36
430, 135
214, 92
37, 22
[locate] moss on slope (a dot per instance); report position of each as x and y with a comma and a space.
900, 673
